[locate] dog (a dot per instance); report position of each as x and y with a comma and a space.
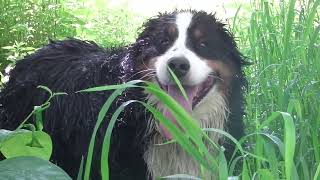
198, 48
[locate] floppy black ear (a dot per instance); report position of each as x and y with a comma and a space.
143, 50
236, 54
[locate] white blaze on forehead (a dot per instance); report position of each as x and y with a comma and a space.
199, 70
183, 21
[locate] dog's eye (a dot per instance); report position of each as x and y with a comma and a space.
165, 42
203, 44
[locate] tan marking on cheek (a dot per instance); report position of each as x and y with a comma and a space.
172, 30
225, 71
198, 34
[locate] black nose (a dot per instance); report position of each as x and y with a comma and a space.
179, 65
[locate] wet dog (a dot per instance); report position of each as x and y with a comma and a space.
194, 44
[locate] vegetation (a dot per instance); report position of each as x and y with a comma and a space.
29, 24
282, 41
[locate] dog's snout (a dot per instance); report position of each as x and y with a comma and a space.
179, 65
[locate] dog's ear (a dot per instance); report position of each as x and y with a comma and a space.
144, 49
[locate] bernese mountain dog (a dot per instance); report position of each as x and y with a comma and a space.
194, 44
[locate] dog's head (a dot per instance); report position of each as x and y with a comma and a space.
202, 54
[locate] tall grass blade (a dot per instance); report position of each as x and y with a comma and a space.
290, 142
317, 174
101, 117
104, 169
180, 176
80, 172
223, 165
288, 26
176, 80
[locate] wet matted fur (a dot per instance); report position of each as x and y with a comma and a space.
71, 65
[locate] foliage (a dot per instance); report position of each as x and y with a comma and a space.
106, 26
33, 142
283, 42
25, 143
30, 168
28, 24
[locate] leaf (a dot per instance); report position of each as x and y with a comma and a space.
264, 174
46, 89
223, 165
101, 117
7, 47
290, 142
226, 135
181, 176
112, 87
107, 141
6, 134
176, 80
80, 172
317, 174
26, 143
30, 168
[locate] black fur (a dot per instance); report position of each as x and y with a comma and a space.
69, 66
72, 65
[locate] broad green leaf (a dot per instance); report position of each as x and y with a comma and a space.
27, 143
6, 134
30, 168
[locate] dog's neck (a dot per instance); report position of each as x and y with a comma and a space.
168, 159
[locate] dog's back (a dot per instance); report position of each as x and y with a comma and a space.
69, 66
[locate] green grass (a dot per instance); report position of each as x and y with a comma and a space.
283, 114
282, 40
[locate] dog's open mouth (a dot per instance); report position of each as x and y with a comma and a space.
194, 96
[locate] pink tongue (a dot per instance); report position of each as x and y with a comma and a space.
176, 94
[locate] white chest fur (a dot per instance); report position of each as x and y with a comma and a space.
169, 159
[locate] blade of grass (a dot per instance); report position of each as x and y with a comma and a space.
183, 118
316, 175
176, 133
104, 168
290, 142
101, 117
181, 176
80, 172
176, 80
180, 137
288, 27
130, 84
223, 165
